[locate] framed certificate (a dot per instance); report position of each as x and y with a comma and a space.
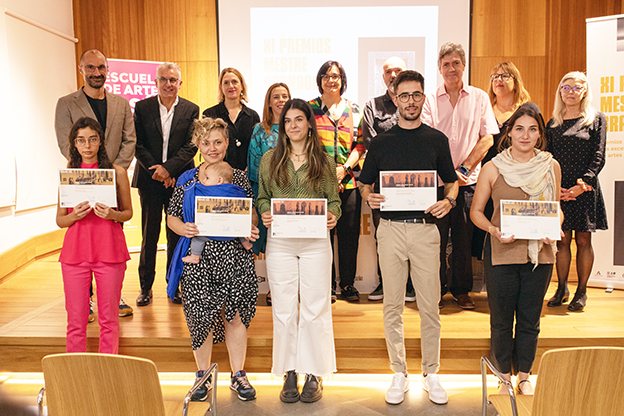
93, 185
530, 220
223, 216
299, 218
408, 190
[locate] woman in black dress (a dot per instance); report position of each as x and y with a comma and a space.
577, 136
240, 118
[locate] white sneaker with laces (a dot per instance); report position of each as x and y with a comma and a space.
396, 392
431, 384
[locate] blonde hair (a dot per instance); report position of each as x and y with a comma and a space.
587, 111
236, 72
521, 95
267, 114
222, 169
204, 126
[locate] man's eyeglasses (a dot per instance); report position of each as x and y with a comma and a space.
93, 68
170, 80
92, 140
405, 97
505, 76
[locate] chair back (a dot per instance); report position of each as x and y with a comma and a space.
580, 382
101, 385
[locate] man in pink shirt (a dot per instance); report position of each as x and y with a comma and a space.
465, 115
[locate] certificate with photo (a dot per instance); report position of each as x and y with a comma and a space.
408, 190
92, 185
530, 220
299, 218
223, 216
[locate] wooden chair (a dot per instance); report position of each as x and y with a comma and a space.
110, 385
571, 382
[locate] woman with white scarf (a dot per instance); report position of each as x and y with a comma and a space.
517, 272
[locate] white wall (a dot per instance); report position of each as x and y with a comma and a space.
28, 152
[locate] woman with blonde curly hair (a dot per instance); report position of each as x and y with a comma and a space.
577, 137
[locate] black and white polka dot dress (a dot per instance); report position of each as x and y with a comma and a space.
224, 278
580, 150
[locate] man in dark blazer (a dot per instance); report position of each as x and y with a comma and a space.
92, 100
164, 128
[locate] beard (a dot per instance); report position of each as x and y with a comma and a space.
96, 82
407, 116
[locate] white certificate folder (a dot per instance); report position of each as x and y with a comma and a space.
92, 185
223, 216
299, 218
530, 220
408, 190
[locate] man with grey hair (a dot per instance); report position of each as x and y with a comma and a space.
465, 115
110, 110
380, 114
164, 128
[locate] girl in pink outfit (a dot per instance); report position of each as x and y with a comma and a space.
94, 244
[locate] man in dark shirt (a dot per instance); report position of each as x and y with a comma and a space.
380, 114
164, 127
409, 241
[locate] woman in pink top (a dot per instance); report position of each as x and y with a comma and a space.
94, 244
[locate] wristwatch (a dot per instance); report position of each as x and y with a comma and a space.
347, 168
452, 201
464, 169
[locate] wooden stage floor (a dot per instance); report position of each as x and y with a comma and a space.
33, 323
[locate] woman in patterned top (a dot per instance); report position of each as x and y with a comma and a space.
219, 293
577, 136
299, 268
339, 124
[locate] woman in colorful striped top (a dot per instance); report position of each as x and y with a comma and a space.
339, 124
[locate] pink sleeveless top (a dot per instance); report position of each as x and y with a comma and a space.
94, 239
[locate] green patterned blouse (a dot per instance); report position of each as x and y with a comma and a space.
297, 185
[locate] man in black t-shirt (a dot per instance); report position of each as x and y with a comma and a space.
409, 241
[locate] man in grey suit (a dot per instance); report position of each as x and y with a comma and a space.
111, 111
164, 128
92, 100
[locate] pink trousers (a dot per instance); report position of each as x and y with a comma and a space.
108, 282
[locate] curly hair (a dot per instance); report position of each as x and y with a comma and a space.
75, 159
204, 126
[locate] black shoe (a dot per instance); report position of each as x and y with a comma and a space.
177, 298
560, 296
144, 299
290, 391
333, 295
312, 390
201, 394
579, 302
269, 300
350, 293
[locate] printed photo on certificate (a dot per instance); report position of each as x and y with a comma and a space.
299, 218
530, 220
93, 185
408, 190
223, 216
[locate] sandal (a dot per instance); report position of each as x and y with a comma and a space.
525, 387
269, 302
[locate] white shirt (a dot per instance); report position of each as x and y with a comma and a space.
166, 117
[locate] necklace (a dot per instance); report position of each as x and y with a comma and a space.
298, 156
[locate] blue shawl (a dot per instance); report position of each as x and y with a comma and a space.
188, 209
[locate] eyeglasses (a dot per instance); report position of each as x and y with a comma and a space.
170, 80
92, 140
576, 88
93, 68
505, 76
332, 78
405, 97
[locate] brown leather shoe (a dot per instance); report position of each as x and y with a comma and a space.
465, 301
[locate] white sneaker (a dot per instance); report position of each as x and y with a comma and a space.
431, 384
396, 392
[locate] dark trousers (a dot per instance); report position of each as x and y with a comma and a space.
154, 199
376, 218
348, 232
460, 226
514, 290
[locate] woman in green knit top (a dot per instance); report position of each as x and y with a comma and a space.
299, 269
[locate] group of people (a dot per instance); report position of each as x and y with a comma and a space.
327, 148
